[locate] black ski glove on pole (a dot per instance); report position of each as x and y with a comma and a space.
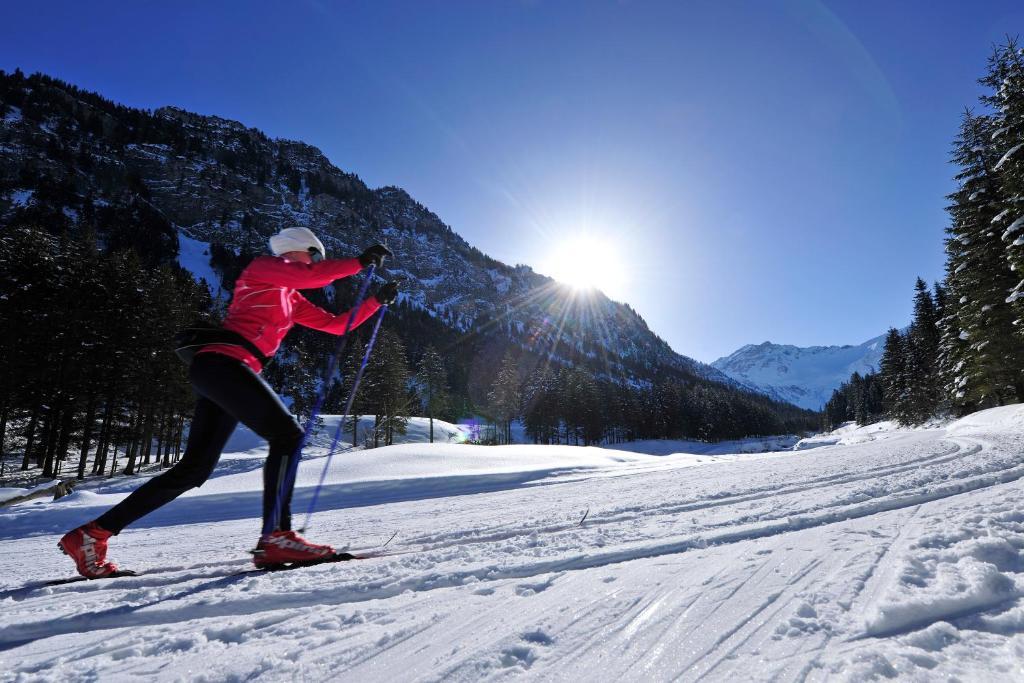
374, 256
387, 294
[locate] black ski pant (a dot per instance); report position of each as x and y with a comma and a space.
229, 392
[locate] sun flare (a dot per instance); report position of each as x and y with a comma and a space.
588, 262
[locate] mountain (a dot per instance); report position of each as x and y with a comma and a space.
206, 193
804, 376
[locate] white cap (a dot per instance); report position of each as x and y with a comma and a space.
295, 239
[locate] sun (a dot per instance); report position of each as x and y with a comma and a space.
588, 262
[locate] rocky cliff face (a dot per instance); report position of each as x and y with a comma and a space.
68, 156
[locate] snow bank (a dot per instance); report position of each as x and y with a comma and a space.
768, 444
933, 589
1003, 419
9, 493
851, 433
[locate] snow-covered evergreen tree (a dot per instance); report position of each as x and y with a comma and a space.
922, 353
982, 353
893, 376
1005, 80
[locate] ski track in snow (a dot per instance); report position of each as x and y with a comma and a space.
894, 558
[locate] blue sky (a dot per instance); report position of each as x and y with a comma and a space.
763, 170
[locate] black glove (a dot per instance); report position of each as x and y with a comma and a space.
374, 256
387, 294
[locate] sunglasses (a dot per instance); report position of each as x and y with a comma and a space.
314, 255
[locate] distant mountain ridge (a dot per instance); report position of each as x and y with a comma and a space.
200, 181
804, 376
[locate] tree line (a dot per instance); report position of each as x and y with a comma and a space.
85, 359
569, 405
87, 365
907, 387
965, 348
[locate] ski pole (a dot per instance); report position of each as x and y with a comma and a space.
293, 463
341, 422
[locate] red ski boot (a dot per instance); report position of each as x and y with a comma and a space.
87, 546
283, 549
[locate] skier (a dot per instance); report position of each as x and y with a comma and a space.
226, 379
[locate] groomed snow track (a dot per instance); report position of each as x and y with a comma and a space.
821, 564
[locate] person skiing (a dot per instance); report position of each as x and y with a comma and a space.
229, 388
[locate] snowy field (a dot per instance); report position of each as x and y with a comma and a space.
884, 554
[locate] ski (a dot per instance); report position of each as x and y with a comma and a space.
77, 579
376, 551
286, 566
340, 556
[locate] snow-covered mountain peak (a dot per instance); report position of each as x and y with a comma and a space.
806, 376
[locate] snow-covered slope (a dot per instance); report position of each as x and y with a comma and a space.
194, 256
894, 558
805, 376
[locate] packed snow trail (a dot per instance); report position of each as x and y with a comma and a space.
898, 556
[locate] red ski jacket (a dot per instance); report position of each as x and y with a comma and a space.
266, 304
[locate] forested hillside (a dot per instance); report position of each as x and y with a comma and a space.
95, 195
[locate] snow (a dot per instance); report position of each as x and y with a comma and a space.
1000, 216
9, 493
891, 553
1014, 227
502, 283
804, 376
716, 451
1016, 293
1006, 157
194, 256
849, 434
21, 197
13, 115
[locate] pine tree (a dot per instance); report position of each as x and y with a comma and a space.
433, 381
859, 399
922, 353
387, 390
982, 355
540, 408
893, 376
1005, 80
505, 396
